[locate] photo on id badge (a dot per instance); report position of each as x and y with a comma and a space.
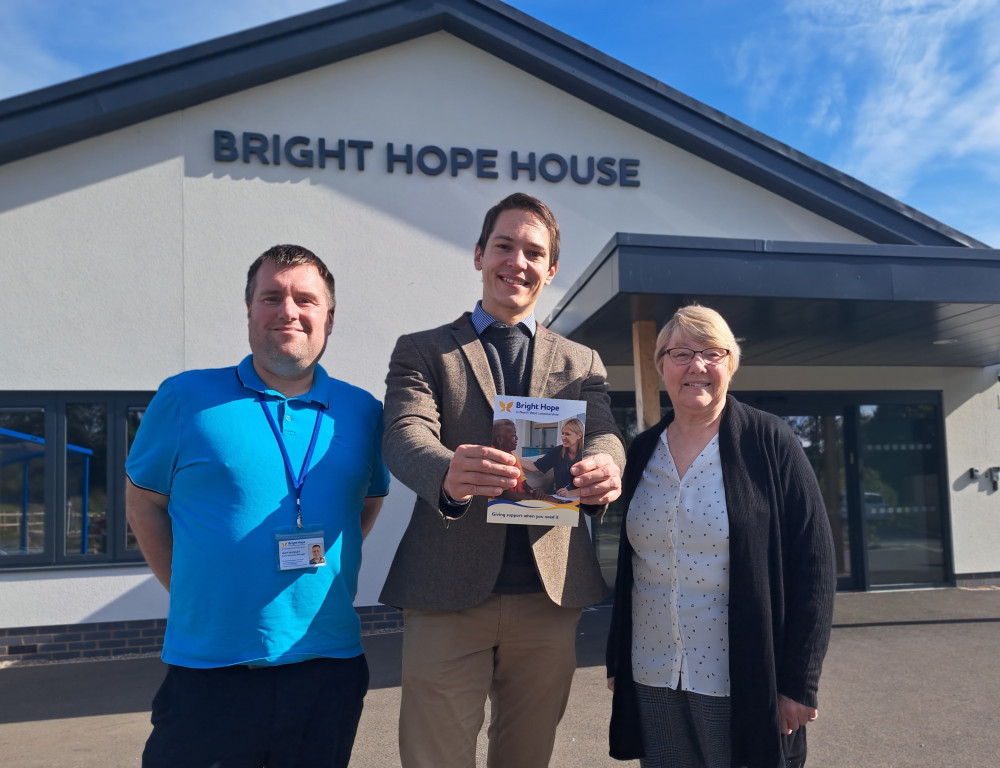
545, 437
300, 548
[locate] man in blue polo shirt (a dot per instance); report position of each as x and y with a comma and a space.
236, 476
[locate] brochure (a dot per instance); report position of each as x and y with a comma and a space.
546, 438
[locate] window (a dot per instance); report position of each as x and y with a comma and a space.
62, 477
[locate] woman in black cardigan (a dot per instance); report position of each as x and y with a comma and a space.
724, 593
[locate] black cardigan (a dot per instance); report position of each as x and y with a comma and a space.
781, 587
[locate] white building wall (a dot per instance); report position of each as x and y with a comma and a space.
48, 598
138, 240
91, 243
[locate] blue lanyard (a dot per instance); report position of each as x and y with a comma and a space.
297, 481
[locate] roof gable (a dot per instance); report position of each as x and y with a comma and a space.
52, 117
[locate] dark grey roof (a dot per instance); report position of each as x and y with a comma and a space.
52, 117
796, 303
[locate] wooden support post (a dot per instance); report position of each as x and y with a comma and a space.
647, 378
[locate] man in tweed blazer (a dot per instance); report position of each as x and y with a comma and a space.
491, 609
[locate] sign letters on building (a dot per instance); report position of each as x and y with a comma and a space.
430, 160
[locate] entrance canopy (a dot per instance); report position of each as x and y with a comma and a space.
793, 303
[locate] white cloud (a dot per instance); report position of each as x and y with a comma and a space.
980, 111
889, 91
921, 101
827, 115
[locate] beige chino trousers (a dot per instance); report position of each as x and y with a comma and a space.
520, 650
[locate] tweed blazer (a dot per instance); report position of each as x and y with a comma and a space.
439, 395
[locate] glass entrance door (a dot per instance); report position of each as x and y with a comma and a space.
878, 459
901, 487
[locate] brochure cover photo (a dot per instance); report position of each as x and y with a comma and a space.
545, 436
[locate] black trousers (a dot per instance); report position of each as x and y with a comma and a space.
287, 716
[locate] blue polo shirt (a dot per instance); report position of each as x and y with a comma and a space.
205, 442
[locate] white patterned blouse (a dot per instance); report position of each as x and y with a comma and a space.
679, 531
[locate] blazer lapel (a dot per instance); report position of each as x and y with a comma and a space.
472, 349
543, 353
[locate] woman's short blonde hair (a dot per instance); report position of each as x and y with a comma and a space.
703, 325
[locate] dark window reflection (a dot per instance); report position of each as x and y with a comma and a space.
822, 439
22, 481
86, 479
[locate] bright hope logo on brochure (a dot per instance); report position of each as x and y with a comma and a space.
545, 436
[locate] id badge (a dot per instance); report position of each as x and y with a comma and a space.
299, 548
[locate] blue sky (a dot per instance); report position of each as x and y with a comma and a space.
901, 94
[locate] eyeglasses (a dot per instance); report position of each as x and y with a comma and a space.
711, 356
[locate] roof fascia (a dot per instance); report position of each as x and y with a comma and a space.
981, 265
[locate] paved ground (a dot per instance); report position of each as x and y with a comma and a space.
911, 681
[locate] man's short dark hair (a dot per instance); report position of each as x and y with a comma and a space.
519, 201
285, 256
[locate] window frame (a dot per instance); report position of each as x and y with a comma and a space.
55, 404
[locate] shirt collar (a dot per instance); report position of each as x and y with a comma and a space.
318, 393
481, 320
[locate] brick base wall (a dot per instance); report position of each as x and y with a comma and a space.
104, 640
108, 640
376, 619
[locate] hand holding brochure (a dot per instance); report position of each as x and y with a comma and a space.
545, 436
